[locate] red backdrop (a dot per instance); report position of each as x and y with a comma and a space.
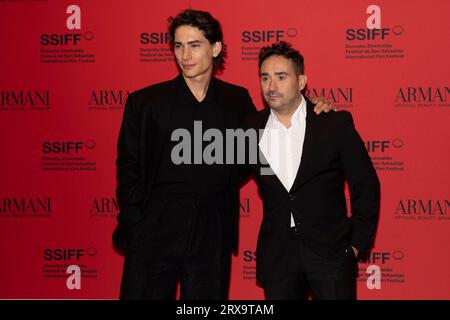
62, 95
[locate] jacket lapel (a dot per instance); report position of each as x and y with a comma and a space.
161, 112
262, 120
264, 166
258, 122
307, 162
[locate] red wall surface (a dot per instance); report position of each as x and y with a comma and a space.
62, 95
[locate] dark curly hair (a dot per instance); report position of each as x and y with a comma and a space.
204, 21
283, 49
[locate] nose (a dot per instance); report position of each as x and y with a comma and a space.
272, 85
186, 53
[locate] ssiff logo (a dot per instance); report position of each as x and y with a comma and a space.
386, 154
253, 40
73, 22
380, 269
64, 47
374, 30
59, 261
382, 146
155, 47
257, 36
68, 155
372, 34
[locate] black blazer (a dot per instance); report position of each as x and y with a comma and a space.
332, 152
143, 133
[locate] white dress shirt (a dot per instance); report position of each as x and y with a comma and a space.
282, 147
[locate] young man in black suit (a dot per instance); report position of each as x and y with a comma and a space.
178, 222
306, 241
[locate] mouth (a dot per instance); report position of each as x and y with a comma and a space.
188, 66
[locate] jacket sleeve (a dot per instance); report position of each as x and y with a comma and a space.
129, 190
244, 170
240, 171
364, 187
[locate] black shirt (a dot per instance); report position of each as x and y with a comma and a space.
191, 177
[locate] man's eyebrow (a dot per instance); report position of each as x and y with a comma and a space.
276, 73
189, 42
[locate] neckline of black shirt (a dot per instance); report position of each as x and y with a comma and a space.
185, 95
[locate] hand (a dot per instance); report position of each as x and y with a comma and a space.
120, 239
356, 251
322, 104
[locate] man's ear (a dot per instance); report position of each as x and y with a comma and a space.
302, 81
217, 48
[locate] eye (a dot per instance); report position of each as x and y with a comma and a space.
282, 77
177, 46
195, 45
264, 78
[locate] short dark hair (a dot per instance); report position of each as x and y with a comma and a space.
283, 49
204, 21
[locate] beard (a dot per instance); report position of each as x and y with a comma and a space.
280, 102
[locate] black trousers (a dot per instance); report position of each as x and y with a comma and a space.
327, 279
183, 243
